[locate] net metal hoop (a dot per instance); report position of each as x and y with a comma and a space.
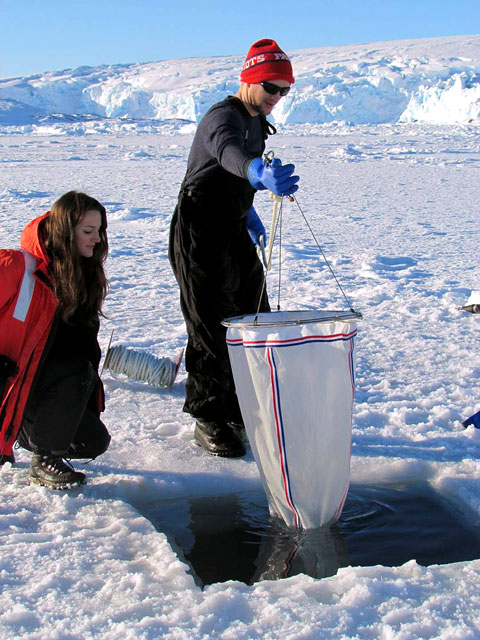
289, 318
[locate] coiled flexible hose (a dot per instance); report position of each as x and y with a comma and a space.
138, 365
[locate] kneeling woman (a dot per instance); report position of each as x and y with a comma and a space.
51, 296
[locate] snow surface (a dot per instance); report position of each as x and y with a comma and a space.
404, 81
395, 207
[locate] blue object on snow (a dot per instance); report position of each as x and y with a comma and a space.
475, 420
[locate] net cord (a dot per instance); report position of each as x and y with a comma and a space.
276, 227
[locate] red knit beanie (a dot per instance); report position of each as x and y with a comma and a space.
266, 61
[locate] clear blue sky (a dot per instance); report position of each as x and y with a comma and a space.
48, 35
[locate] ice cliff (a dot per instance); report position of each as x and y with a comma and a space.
435, 80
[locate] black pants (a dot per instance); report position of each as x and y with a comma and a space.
61, 416
220, 276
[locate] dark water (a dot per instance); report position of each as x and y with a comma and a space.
233, 537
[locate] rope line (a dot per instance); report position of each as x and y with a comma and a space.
276, 225
267, 259
324, 256
280, 228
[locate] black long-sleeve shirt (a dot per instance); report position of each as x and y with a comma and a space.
227, 137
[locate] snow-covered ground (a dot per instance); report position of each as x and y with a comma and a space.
395, 207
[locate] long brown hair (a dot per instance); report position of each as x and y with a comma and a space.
80, 283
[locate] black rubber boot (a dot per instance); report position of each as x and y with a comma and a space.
218, 439
51, 471
239, 430
4, 457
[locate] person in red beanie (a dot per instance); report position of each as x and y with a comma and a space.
213, 234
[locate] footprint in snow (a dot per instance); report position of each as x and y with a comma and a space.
392, 268
24, 196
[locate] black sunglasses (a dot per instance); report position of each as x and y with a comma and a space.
272, 89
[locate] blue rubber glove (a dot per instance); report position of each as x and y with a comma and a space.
255, 227
276, 177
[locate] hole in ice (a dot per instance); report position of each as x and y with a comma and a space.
233, 537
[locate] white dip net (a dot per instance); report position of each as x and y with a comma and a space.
294, 373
